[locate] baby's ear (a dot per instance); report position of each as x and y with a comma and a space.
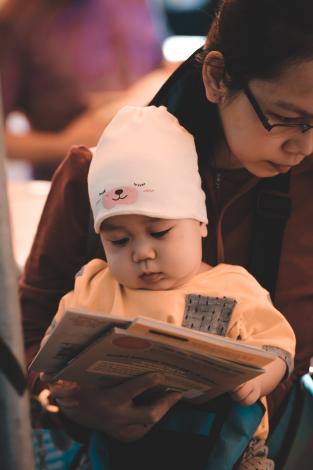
203, 230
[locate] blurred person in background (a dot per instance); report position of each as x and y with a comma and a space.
68, 65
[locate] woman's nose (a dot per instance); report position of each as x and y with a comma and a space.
304, 143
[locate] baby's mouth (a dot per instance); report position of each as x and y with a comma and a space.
151, 276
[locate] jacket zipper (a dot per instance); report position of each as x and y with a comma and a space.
218, 180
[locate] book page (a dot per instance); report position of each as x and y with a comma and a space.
119, 355
73, 333
214, 345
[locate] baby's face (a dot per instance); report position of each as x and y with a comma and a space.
155, 254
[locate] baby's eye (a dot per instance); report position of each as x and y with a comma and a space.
160, 234
120, 242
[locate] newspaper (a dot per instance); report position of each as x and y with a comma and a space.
105, 350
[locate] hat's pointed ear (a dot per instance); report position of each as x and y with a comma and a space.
213, 72
203, 229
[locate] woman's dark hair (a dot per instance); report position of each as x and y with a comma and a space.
259, 37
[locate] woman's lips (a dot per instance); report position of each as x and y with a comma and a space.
281, 168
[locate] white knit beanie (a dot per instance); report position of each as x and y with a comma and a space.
145, 163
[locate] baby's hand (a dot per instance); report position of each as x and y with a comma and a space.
247, 393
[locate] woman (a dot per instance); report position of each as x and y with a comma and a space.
248, 100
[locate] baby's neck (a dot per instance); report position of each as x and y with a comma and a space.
204, 267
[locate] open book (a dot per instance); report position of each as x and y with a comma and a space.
105, 350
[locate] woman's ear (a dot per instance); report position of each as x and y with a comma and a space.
213, 71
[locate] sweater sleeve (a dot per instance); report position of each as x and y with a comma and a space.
256, 321
58, 250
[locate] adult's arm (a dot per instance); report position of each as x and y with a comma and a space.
37, 146
58, 249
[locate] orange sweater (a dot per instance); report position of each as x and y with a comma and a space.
252, 318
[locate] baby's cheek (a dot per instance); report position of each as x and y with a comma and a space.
117, 262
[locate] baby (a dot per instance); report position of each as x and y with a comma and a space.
149, 209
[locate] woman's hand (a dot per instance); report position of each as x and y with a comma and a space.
112, 410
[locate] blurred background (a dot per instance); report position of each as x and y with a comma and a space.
67, 66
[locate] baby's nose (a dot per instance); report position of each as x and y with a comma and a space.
143, 253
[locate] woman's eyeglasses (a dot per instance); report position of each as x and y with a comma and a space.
302, 127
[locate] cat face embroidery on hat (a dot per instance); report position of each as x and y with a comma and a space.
119, 195
122, 195
208, 314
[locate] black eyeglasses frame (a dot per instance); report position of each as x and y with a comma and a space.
263, 119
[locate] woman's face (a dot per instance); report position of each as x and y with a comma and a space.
288, 99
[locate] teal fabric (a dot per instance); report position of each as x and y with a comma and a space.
48, 454
225, 435
291, 443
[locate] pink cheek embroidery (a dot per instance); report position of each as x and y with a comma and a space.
121, 195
